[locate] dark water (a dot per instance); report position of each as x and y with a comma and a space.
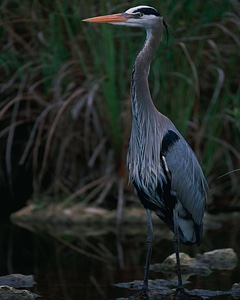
90, 270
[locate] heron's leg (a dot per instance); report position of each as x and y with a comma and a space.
176, 248
150, 238
180, 289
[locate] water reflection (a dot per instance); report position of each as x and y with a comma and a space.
72, 262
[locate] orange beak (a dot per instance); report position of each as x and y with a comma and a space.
115, 18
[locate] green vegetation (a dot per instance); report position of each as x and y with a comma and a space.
64, 94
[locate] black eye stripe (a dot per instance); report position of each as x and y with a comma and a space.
147, 11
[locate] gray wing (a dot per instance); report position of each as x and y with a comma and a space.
187, 178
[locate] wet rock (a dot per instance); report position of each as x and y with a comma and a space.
152, 284
158, 287
189, 266
219, 259
9, 283
17, 280
186, 262
10, 293
235, 291
162, 290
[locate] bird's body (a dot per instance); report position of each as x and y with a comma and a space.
166, 189
162, 167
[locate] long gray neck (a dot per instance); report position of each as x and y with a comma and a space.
140, 93
144, 148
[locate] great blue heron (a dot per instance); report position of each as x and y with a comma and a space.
162, 167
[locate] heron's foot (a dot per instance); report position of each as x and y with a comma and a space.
182, 293
142, 295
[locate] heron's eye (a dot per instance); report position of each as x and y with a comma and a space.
138, 15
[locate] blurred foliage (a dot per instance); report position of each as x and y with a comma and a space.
64, 94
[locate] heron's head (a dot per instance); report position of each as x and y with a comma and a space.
139, 16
